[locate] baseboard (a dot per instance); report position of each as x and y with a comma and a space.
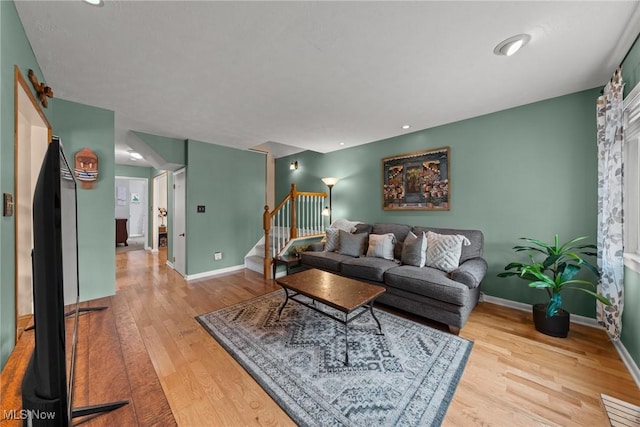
214, 272
580, 320
628, 361
170, 265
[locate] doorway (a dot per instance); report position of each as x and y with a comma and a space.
159, 223
179, 236
32, 137
132, 205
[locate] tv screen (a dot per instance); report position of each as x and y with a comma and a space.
48, 381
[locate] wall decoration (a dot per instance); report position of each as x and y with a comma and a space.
135, 197
41, 89
416, 181
7, 199
86, 168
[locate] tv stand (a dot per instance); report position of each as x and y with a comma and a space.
70, 313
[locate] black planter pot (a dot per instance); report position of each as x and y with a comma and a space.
555, 326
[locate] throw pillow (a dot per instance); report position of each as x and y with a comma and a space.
414, 250
345, 224
444, 250
352, 244
333, 240
381, 245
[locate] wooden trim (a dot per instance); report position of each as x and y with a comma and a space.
20, 82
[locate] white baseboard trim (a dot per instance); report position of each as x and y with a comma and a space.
214, 272
170, 265
628, 361
580, 320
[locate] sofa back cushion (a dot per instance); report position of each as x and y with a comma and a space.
353, 244
381, 245
398, 230
476, 240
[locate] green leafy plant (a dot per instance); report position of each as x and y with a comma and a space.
557, 271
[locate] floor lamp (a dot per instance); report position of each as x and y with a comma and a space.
330, 182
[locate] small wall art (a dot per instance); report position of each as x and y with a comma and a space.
417, 181
86, 168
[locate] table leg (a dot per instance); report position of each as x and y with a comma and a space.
286, 299
346, 340
375, 318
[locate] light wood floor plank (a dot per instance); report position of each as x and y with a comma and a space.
515, 376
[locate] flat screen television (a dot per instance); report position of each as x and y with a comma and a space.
47, 386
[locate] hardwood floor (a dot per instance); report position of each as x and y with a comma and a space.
515, 376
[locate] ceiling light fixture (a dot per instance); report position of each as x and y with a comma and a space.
511, 45
135, 156
94, 2
406, 126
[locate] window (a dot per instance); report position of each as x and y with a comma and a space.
632, 180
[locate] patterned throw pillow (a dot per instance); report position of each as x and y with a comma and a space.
414, 250
333, 240
352, 244
443, 250
381, 245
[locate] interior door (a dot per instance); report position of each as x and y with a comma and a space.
179, 223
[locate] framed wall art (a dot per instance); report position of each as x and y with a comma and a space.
417, 181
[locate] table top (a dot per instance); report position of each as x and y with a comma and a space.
339, 292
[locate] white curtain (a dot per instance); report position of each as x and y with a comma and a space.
610, 212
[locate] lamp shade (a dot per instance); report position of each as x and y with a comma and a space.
330, 182
325, 211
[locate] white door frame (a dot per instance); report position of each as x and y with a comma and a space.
32, 137
179, 233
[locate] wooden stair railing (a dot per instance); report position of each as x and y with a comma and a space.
299, 214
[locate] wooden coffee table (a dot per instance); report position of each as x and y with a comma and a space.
343, 294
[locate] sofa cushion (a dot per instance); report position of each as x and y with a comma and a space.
367, 268
324, 260
443, 250
414, 250
428, 282
352, 244
398, 230
363, 228
345, 224
474, 250
381, 245
332, 242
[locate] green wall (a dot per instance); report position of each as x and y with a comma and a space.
172, 150
631, 67
631, 315
231, 185
80, 126
14, 50
528, 171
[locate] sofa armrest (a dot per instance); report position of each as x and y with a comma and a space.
470, 272
316, 247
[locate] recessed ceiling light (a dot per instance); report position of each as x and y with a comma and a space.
342, 143
406, 126
511, 45
94, 2
135, 156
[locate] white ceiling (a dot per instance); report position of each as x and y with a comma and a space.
312, 75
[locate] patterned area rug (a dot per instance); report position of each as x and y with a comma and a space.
405, 377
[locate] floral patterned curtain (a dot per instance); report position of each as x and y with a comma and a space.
610, 167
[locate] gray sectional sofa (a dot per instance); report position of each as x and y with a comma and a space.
446, 297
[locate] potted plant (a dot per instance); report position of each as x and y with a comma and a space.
555, 273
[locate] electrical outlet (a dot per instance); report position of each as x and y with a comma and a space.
217, 256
